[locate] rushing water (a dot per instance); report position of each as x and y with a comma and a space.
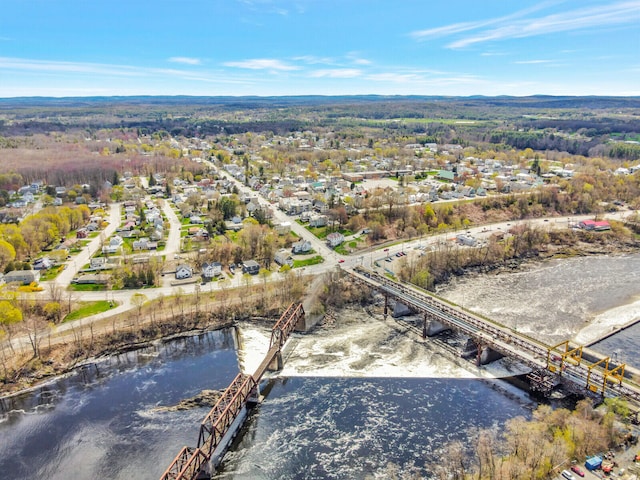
353, 397
101, 422
578, 299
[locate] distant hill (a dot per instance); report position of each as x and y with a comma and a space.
535, 101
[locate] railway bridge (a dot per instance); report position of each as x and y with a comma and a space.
579, 370
225, 418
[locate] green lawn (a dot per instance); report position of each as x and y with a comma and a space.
308, 261
51, 273
322, 232
87, 287
86, 309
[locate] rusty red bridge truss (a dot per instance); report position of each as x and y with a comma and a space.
217, 428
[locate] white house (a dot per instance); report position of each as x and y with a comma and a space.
283, 257
318, 221
114, 245
97, 262
211, 270
184, 271
283, 228
302, 246
334, 239
43, 263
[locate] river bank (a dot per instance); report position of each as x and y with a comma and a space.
148, 326
60, 355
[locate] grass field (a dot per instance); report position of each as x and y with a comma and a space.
86, 309
308, 261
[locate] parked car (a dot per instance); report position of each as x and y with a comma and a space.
577, 470
567, 474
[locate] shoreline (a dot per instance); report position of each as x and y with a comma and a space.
42, 377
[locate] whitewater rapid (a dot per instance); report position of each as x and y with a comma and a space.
361, 344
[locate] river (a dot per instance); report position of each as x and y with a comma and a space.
580, 299
355, 395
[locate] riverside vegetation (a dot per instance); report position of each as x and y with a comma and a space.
88, 147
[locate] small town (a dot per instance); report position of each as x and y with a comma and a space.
302, 240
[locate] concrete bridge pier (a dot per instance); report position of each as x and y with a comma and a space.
277, 363
386, 306
482, 353
400, 310
432, 327
254, 397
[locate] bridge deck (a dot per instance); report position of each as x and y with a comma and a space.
268, 358
493, 335
190, 463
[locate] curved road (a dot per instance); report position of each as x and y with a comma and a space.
332, 259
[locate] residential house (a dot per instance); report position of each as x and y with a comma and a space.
183, 271
234, 224
24, 277
334, 239
283, 228
141, 244
95, 279
115, 243
97, 263
302, 246
318, 221
251, 267
43, 263
211, 269
283, 257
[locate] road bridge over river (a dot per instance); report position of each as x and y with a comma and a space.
578, 369
225, 418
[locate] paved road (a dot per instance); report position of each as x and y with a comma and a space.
332, 259
82, 258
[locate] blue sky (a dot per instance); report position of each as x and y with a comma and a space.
325, 47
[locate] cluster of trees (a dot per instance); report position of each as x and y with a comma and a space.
22, 314
534, 449
521, 241
39, 231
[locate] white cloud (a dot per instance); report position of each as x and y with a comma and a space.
26, 64
313, 60
262, 64
110, 70
357, 58
337, 73
531, 62
447, 30
186, 60
580, 19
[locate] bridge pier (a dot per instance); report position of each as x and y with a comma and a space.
432, 327
386, 306
277, 363
254, 397
482, 352
400, 310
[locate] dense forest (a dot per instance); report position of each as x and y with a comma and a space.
588, 126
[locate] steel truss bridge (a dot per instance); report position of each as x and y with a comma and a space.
223, 420
564, 363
